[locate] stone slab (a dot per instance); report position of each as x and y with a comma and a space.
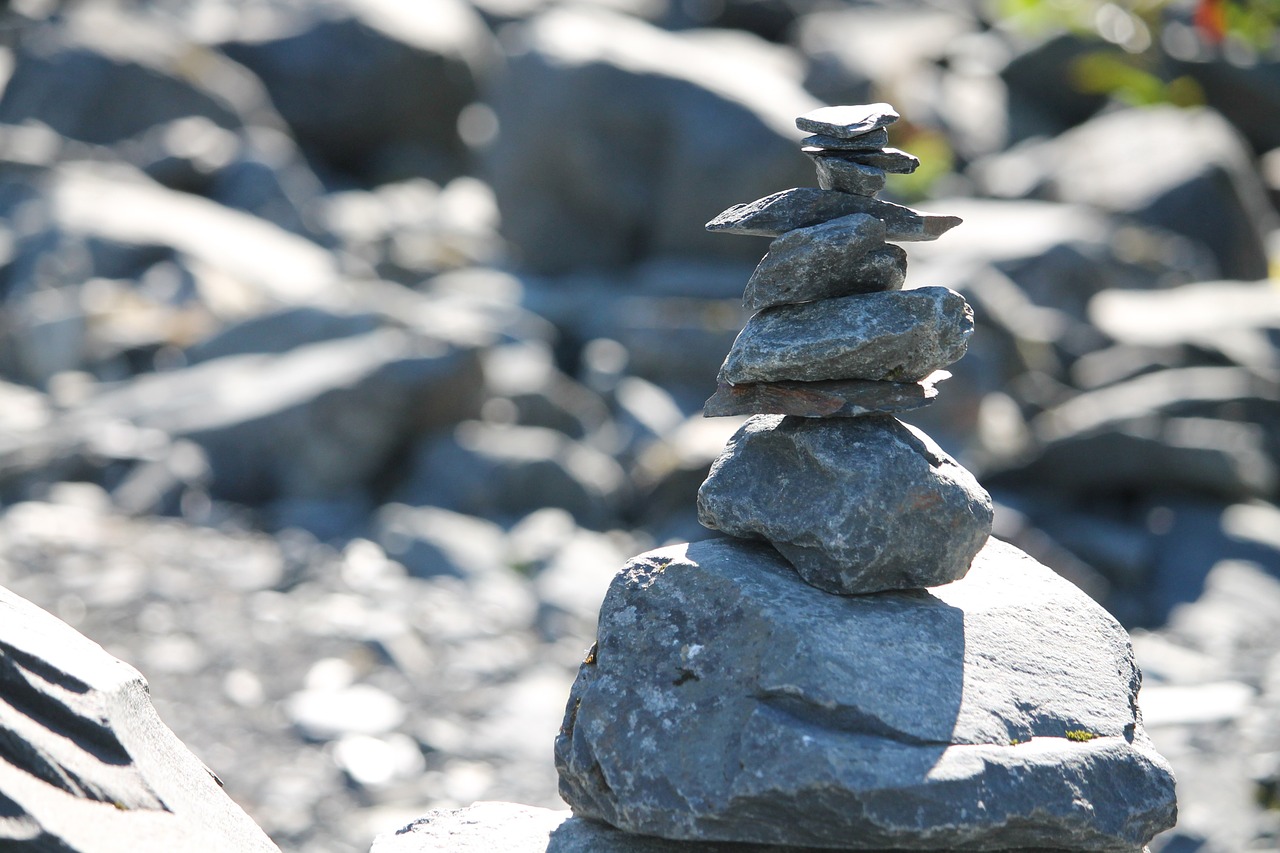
863, 142
801, 207
727, 700
890, 159
894, 336
848, 176
847, 121
881, 268
833, 399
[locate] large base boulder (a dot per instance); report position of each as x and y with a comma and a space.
727, 700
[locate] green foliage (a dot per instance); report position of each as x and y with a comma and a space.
936, 161
1080, 735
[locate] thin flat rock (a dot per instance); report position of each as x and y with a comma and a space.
801, 207
728, 701
846, 122
883, 268
848, 176
870, 140
890, 159
818, 262
893, 336
832, 399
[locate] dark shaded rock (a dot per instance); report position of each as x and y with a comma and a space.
998, 711
882, 268
818, 262
88, 765
805, 206
831, 399
846, 176
889, 159
856, 505
587, 167
1043, 99
375, 89
896, 336
866, 142
847, 122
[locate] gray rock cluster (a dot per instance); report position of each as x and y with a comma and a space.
795, 684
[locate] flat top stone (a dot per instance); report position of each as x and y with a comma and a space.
871, 140
846, 122
800, 207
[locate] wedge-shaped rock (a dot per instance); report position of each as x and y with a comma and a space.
727, 700
823, 261
846, 122
847, 398
890, 159
893, 336
801, 207
863, 142
856, 505
848, 176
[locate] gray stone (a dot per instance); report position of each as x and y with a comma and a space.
866, 142
815, 262
847, 122
843, 399
86, 763
804, 206
882, 268
847, 176
890, 159
895, 336
726, 700
857, 505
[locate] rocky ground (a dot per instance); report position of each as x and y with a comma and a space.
348, 348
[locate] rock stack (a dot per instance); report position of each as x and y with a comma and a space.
795, 683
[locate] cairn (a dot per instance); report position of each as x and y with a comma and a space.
857, 665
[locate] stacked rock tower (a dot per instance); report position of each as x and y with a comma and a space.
857, 665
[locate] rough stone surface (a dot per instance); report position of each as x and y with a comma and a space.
865, 142
715, 707
857, 506
85, 762
882, 268
848, 398
817, 262
848, 176
896, 336
804, 206
846, 122
890, 159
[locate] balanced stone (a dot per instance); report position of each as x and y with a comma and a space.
727, 700
840, 398
846, 122
801, 207
889, 159
856, 505
892, 336
863, 142
848, 176
882, 268
817, 262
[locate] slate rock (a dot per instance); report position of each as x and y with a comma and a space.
866, 142
832, 399
889, 159
856, 505
726, 700
847, 122
847, 176
896, 336
804, 206
87, 765
820, 262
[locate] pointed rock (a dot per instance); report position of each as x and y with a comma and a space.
846, 122
894, 336
726, 700
865, 142
848, 176
804, 206
817, 262
832, 399
882, 268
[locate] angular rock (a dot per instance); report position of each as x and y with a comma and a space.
895, 336
86, 763
996, 712
882, 268
804, 206
815, 262
846, 399
858, 505
847, 122
890, 159
866, 142
847, 176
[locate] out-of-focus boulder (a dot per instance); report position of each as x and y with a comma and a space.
1044, 98
87, 765
617, 140
373, 88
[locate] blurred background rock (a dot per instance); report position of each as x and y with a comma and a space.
347, 348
